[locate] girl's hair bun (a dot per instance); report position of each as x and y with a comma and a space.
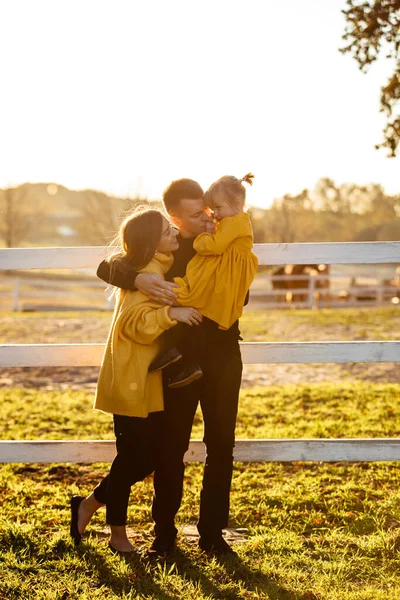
248, 178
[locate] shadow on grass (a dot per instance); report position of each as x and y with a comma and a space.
180, 575
139, 578
190, 569
192, 572
259, 582
236, 572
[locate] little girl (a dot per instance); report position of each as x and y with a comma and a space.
125, 388
218, 277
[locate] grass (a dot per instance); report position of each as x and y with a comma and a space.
381, 323
353, 409
315, 531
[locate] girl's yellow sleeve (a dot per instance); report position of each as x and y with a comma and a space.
207, 244
144, 324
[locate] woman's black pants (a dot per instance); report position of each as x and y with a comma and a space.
137, 441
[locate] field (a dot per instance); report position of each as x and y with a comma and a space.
309, 531
259, 325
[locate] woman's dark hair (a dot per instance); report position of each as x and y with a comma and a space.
138, 236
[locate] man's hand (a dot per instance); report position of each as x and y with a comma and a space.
153, 286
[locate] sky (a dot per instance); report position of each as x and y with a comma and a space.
126, 95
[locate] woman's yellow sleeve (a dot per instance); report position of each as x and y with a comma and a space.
207, 244
144, 324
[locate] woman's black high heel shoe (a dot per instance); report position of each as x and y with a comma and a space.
73, 529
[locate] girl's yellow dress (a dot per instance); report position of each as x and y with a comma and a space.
218, 277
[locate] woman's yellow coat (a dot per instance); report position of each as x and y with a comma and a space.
125, 387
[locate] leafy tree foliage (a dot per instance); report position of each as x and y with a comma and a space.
17, 216
372, 27
330, 212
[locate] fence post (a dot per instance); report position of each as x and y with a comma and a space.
380, 291
351, 294
16, 294
311, 291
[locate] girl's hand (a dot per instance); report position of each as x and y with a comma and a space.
211, 226
186, 314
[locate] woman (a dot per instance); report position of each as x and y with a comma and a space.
125, 388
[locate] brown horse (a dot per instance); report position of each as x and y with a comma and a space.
288, 284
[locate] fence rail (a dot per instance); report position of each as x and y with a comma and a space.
253, 353
314, 295
332, 253
281, 450
290, 352
271, 254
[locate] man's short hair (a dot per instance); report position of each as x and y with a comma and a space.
180, 189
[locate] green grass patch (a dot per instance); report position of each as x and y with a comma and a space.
316, 531
355, 409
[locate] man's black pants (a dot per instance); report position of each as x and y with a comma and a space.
189, 340
218, 394
137, 441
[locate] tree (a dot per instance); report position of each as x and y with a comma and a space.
290, 219
373, 26
330, 213
101, 215
16, 219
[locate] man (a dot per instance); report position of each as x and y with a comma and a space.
217, 391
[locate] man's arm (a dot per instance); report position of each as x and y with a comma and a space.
127, 278
120, 277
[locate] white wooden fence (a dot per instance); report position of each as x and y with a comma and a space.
30, 355
310, 295
332, 296
57, 288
